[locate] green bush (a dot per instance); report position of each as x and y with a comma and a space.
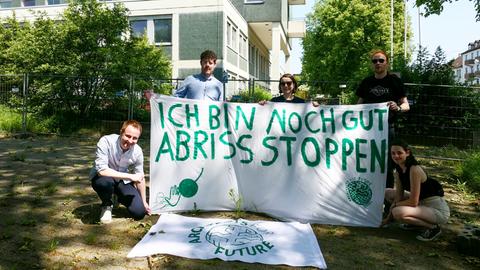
259, 94
469, 171
11, 122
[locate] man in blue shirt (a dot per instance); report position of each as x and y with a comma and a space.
203, 86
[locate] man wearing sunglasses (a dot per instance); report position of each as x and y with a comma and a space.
384, 87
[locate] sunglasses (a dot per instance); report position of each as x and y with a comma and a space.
286, 83
380, 60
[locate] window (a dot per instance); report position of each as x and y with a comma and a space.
139, 28
5, 3
163, 30
229, 34
28, 3
56, 2
234, 38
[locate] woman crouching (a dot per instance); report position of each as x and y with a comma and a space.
417, 199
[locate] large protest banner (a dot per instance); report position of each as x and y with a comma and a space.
323, 164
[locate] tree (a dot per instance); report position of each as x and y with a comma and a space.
436, 6
81, 59
439, 105
341, 33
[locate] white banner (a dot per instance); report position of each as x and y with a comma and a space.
265, 242
323, 164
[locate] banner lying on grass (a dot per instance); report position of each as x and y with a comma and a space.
259, 241
322, 164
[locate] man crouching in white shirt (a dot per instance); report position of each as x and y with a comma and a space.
118, 170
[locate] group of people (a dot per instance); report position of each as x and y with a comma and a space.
412, 197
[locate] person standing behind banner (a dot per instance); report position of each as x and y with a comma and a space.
417, 199
384, 87
118, 169
203, 86
287, 86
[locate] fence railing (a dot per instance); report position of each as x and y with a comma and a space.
439, 115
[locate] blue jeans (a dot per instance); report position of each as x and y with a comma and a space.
127, 195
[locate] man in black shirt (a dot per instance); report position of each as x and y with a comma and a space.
384, 87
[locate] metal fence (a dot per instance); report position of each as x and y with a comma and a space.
440, 114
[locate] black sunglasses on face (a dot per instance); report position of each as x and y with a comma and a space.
286, 83
380, 60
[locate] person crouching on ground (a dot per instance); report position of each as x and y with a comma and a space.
417, 199
118, 169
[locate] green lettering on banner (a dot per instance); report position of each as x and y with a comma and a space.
378, 155
197, 144
212, 145
347, 150
267, 244
316, 147
307, 122
288, 142
246, 149
248, 122
182, 143
193, 114
161, 116
330, 119
380, 113
260, 249
299, 121
328, 151
219, 249
359, 155
281, 120
214, 113
271, 147
370, 120
225, 118
170, 115
352, 119
231, 145
168, 149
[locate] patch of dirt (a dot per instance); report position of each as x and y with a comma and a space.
49, 220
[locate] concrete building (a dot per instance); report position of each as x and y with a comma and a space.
252, 38
467, 66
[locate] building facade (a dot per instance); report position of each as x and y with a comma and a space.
467, 66
252, 38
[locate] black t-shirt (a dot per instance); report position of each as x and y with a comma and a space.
389, 88
429, 188
282, 99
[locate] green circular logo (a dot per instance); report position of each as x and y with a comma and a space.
359, 191
188, 188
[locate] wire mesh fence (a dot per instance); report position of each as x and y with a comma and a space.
439, 115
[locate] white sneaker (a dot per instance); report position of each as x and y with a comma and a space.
106, 214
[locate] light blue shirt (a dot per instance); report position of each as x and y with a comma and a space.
202, 88
110, 154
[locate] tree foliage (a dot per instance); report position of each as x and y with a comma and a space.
440, 106
80, 59
341, 33
436, 6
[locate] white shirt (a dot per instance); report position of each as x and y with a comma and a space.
110, 154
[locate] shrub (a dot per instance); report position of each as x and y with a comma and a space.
259, 94
469, 171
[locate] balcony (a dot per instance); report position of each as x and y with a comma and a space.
470, 75
296, 29
469, 62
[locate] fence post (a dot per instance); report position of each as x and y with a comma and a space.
24, 104
130, 99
